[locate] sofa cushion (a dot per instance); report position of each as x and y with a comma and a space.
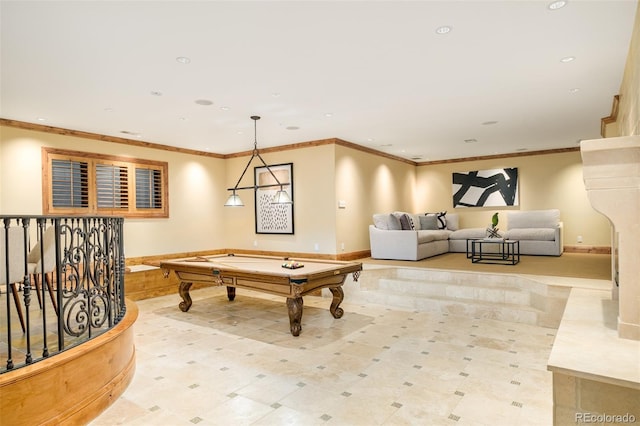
393, 222
426, 236
429, 222
405, 222
463, 234
381, 221
441, 218
453, 221
533, 219
537, 234
415, 221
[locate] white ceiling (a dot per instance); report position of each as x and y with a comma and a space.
379, 68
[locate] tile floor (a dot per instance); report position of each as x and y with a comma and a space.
236, 363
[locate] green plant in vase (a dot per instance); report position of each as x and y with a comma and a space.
492, 231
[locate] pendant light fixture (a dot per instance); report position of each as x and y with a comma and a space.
281, 196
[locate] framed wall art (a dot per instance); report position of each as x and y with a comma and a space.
486, 188
273, 218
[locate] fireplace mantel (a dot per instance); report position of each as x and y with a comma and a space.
611, 170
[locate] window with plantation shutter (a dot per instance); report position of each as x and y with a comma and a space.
85, 183
148, 188
112, 186
69, 183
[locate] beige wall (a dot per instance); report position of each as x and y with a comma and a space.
545, 182
628, 123
195, 191
313, 196
324, 175
367, 184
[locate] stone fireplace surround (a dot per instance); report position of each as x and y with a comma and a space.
595, 358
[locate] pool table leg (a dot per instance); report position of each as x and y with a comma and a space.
338, 296
231, 293
186, 299
295, 314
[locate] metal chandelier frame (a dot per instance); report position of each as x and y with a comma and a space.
281, 196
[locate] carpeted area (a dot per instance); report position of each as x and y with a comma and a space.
574, 265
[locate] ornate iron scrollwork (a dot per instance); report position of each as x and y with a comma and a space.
87, 278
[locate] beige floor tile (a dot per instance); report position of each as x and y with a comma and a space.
237, 363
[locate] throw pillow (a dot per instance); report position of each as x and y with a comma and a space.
442, 220
380, 221
428, 222
415, 221
453, 222
441, 217
393, 222
406, 223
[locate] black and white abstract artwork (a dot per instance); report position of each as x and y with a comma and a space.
486, 188
273, 218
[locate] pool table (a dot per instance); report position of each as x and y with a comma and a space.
266, 274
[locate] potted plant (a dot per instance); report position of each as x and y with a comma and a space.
492, 230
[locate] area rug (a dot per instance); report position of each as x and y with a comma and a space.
573, 265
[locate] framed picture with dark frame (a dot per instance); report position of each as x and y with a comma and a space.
273, 218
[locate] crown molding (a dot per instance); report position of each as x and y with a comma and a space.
300, 145
612, 118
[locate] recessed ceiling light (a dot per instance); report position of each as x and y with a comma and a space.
275, 94
292, 128
41, 119
489, 123
567, 59
370, 139
156, 93
470, 140
555, 5
183, 59
386, 145
328, 115
204, 102
224, 108
443, 29
108, 109
574, 90
182, 118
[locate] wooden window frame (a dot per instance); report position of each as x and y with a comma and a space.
49, 154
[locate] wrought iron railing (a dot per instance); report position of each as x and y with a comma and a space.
75, 268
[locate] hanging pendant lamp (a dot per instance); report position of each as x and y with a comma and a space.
281, 196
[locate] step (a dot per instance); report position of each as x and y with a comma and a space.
503, 297
467, 290
511, 312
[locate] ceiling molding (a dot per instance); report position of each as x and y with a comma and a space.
492, 157
95, 136
301, 145
283, 148
612, 118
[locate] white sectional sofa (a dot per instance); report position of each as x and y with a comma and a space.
405, 236
539, 231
